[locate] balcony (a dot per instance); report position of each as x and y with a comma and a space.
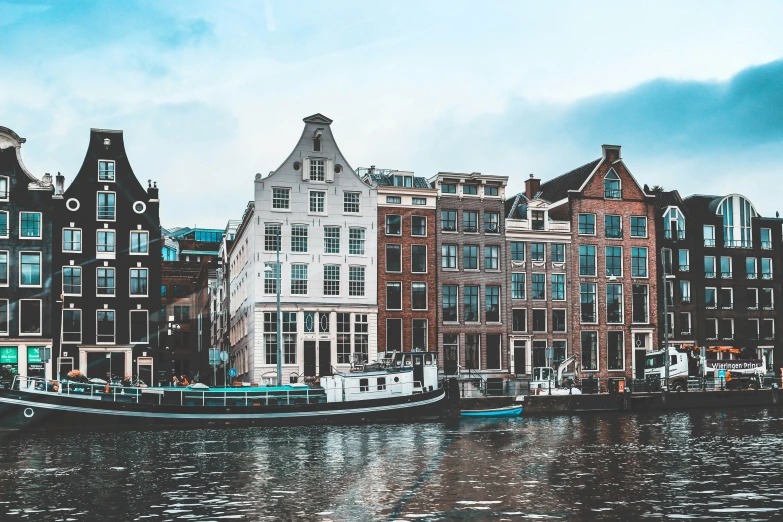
106, 213
767, 275
613, 193
684, 268
737, 243
709, 242
766, 245
709, 275
752, 275
524, 225
725, 275
675, 235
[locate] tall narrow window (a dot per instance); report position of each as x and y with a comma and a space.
587, 260
356, 281
766, 268
470, 257
615, 351
105, 281
281, 198
449, 303
537, 221
4, 232
558, 287
331, 280
614, 261
558, 320
105, 170
106, 242
4, 188
419, 259
613, 226
419, 226
270, 278
4, 268
105, 327
298, 238
674, 224
419, 334
272, 237
331, 240
471, 304
393, 258
537, 252
587, 224
491, 258
725, 267
107, 206
343, 338
356, 241
709, 236
30, 269
538, 286
587, 298
472, 353
72, 325
766, 238
299, 279
614, 303
352, 202
317, 170
30, 316
519, 320
518, 285
448, 220
558, 253
393, 225
493, 304
639, 261
684, 260
709, 267
469, 221
139, 326
491, 223
138, 282
448, 256
317, 201
640, 304
139, 242
612, 185
517, 251
72, 280
30, 225
589, 347
393, 295
418, 296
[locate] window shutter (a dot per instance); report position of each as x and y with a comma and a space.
306, 169
329, 170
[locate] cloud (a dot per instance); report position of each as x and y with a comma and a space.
12, 13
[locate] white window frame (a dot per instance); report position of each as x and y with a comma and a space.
338, 238
595, 224
717, 333
425, 226
705, 238
113, 171
359, 203
386, 296
426, 296
306, 280
363, 282
565, 310
731, 321
310, 210
731, 268
597, 351
5, 196
40, 225
386, 225
105, 255
114, 335
646, 263
755, 274
531, 286
715, 293
771, 269
426, 257
622, 302
622, 334
97, 207
772, 299
772, 320
312, 167
40, 268
113, 294
758, 327
687, 258
130, 281
7, 268
731, 293
130, 246
359, 241
622, 265
768, 245
81, 326
689, 331
595, 303
688, 286
272, 200
130, 326
8, 224
81, 277
40, 318
81, 239
7, 331
386, 258
532, 321
714, 267
756, 290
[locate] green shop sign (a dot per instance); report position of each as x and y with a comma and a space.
9, 355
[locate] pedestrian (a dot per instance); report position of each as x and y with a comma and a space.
185, 381
174, 381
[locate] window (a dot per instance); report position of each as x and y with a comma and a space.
343, 338
418, 296
4, 223
766, 239
181, 314
356, 241
3, 268
419, 259
139, 242
517, 251
768, 329
750, 268
471, 304
394, 295
270, 337
558, 253
352, 202
558, 287
493, 304
448, 188
709, 236
589, 342
270, 278
725, 267
727, 329
766, 268
402, 181
726, 298
469, 221
106, 241
139, 321
394, 335
752, 328
668, 293
639, 261
613, 227
30, 311
331, 240
448, 256
614, 303
491, 223
105, 281
272, 237
640, 304
331, 280
638, 226
419, 226
72, 325
299, 279
537, 252
538, 286
752, 298
393, 225
493, 352
4, 188
30, 269
539, 320
317, 170
419, 201
491, 258
470, 257
685, 292
105, 170
4, 316
449, 303
107, 206
684, 260
587, 260
393, 199
615, 351
448, 220
519, 320
281, 198
289, 339
418, 334
709, 266
587, 224
298, 238
685, 323
587, 300
470, 190
614, 261
517, 286
711, 329
317, 201
393, 258
472, 353
558, 320
490, 191
30, 225
767, 300
666, 261
72, 280
612, 185
537, 219
105, 327
356, 281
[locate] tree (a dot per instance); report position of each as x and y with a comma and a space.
657, 189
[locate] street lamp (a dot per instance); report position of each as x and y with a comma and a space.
268, 270
666, 254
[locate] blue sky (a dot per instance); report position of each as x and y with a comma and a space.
209, 93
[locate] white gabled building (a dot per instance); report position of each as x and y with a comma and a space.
325, 217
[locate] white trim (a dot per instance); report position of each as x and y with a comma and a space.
426, 225
7, 268
426, 296
646, 227
97, 206
130, 281
401, 297
114, 271
130, 246
130, 326
105, 255
40, 225
7, 189
311, 212
622, 335
114, 326
533, 322
7, 318
81, 239
62, 280
40, 319
426, 258
386, 258
7, 224
113, 171
62, 326
68, 204
40, 268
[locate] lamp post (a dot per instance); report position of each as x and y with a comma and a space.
267, 270
664, 252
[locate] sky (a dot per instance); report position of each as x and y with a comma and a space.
210, 93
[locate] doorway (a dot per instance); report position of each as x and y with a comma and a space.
640, 357
519, 357
418, 369
309, 358
325, 358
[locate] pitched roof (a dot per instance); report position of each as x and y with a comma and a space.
385, 181
516, 206
557, 188
666, 199
317, 118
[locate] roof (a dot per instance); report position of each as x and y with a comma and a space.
701, 203
667, 199
318, 118
199, 252
557, 188
516, 207
385, 181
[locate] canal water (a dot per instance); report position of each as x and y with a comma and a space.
714, 465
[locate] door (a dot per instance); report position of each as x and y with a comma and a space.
519, 357
640, 356
324, 358
309, 358
418, 369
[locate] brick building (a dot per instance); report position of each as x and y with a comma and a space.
471, 278
407, 282
612, 260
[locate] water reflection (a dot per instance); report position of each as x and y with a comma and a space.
707, 465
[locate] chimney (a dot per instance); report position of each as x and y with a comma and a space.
532, 186
59, 185
610, 152
152, 191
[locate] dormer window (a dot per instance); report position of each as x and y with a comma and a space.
317, 140
674, 224
105, 170
402, 181
4, 188
737, 213
537, 219
612, 185
448, 188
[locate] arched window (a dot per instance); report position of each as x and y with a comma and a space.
737, 214
612, 185
674, 224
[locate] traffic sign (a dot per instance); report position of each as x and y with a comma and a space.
224, 356
232, 372
214, 356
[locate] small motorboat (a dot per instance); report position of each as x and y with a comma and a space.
508, 411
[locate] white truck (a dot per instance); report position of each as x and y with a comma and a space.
544, 382
689, 361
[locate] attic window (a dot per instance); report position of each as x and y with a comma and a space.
402, 181
612, 186
317, 144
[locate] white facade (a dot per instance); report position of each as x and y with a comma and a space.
326, 218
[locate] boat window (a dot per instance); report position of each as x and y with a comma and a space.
364, 385
536, 374
417, 360
381, 383
428, 359
407, 361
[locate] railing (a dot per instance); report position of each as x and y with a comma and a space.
684, 268
710, 275
709, 242
725, 275
766, 275
674, 234
4, 232
3, 194
766, 245
106, 213
613, 193
752, 275
737, 243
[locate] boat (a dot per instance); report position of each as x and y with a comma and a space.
508, 411
406, 387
